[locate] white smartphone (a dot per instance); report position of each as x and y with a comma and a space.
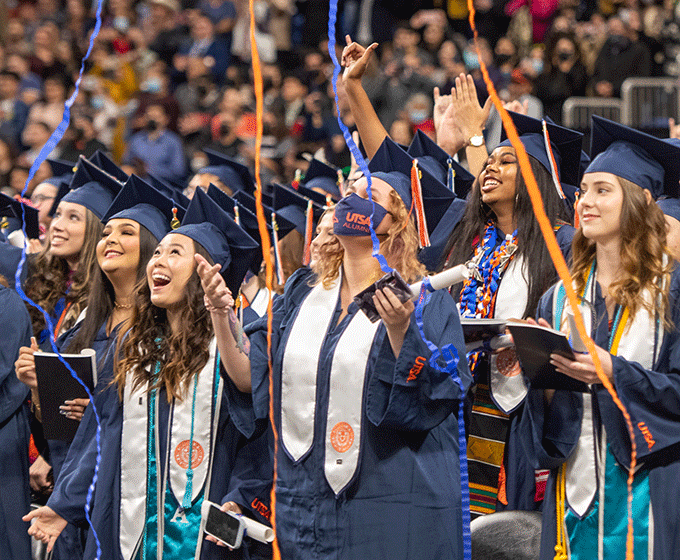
225, 526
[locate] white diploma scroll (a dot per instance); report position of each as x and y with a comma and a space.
443, 279
258, 531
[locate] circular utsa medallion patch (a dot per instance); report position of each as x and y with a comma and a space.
182, 454
342, 437
507, 363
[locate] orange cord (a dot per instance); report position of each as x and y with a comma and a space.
560, 266
266, 247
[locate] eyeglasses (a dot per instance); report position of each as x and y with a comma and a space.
40, 198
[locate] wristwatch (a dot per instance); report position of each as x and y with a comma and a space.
476, 140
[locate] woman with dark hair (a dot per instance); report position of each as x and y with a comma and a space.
368, 455
628, 287
500, 236
168, 442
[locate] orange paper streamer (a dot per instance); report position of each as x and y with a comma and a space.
560, 266
264, 235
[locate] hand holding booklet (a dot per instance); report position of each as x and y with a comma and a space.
56, 385
533, 346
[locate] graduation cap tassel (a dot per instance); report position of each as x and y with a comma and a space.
237, 215
174, 223
551, 159
329, 200
295, 183
278, 267
417, 195
309, 226
451, 176
576, 220
341, 183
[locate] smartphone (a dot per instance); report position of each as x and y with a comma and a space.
225, 526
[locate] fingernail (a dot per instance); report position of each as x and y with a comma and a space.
63, 412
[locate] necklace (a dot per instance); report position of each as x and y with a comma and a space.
121, 306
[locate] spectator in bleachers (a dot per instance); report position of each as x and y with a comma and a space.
156, 150
80, 138
13, 111
564, 76
7, 157
622, 56
50, 109
35, 136
155, 87
44, 59
30, 84
164, 35
205, 45
222, 13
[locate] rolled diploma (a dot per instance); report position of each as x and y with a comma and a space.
257, 531
443, 279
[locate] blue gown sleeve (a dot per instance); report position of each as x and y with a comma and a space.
406, 392
652, 398
15, 331
565, 235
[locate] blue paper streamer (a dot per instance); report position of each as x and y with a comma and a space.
45, 151
450, 356
332, 17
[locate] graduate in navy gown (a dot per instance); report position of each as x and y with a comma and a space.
499, 236
182, 416
630, 289
368, 454
15, 331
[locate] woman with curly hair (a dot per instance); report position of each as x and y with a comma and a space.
628, 286
168, 442
368, 458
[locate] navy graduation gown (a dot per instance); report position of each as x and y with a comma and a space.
404, 501
15, 498
244, 478
550, 433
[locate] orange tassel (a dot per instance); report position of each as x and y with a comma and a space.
277, 254
553, 164
237, 214
174, 223
296, 181
417, 196
307, 255
576, 220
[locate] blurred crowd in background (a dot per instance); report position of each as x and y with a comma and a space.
168, 78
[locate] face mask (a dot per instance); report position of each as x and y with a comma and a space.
471, 61
563, 56
121, 24
97, 102
152, 85
353, 214
619, 42
152, 125
537, 64
417, 116
502, 58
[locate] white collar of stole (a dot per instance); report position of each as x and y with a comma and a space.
346, 384
635, 339
197, 407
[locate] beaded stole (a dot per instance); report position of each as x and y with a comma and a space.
488, 424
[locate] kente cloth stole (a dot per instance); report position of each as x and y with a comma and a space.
342, 439
160, 516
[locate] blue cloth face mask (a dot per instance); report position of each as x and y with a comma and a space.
353, 216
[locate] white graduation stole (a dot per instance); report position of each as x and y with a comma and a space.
135, 452
634, 345
346, 384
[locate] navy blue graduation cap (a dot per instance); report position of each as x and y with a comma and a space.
295, 207
249, 204
105, 163
61, 171
173, 192
432, 196
90, 187
224, 240
12, 209
322, 176
233, 174
147, 206
316, 197
433, 256
649, 162
565, 146
440, 164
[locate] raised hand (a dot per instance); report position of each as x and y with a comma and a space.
470, 116
46, 526
25, 364
217, 295
355, 59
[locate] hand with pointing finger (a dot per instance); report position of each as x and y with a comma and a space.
355, 59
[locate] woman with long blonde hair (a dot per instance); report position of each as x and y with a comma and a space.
367, 460
628, 287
